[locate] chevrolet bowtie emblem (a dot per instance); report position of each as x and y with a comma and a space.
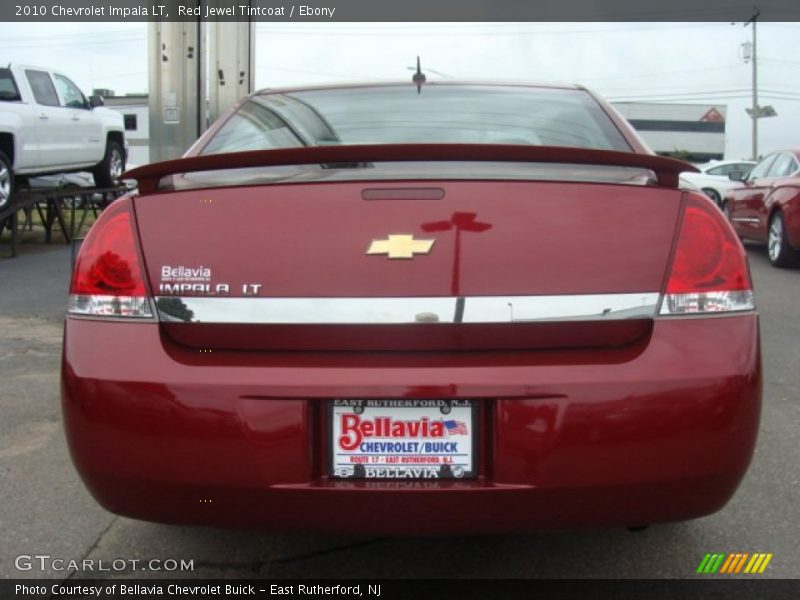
400, 246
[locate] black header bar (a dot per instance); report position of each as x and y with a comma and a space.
396, 10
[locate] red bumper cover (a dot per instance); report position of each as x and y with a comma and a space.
659, 431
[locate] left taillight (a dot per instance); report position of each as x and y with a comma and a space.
108, 279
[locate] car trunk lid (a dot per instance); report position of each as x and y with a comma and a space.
494, 264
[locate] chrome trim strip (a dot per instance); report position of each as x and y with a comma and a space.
752, 220
379, 311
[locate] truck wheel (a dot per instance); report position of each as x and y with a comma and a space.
107, 173
6, 181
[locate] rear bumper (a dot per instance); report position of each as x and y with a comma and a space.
657, 432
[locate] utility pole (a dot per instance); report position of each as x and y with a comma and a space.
755, 114
750, 54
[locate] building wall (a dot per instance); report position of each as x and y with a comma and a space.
695, 132
136, 113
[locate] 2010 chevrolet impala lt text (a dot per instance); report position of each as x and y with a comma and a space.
413, 309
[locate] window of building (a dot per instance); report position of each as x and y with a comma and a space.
130, 122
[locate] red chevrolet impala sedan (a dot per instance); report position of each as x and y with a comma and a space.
413, 309
766, 208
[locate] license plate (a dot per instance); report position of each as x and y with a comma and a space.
403, 439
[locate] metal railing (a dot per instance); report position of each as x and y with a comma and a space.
52, 205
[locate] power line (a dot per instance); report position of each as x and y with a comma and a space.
779, 62
659, 74
119, 75
703, 93
417, 31
786, 92
263, 68
660, 99
710, 97
137, 38
83, 34
699, 93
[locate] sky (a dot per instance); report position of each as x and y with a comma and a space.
669, 62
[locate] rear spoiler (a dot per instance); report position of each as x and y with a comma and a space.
665, 169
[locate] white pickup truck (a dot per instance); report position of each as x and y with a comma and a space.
48, 126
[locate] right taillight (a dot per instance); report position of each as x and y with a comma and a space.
109, 280
709, 272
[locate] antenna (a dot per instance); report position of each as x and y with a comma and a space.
419, 77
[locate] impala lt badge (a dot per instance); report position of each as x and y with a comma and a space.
400, 246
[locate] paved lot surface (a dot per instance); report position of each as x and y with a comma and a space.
46, 510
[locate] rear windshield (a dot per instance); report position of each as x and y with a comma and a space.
437, 114
8, 88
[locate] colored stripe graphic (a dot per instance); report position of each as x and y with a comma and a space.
740, 564
718, 564
737, 561
711, 563
733, 563
704, 562
764, 564
759, 563
753, 564
728, 564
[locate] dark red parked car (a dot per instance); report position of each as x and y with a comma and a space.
459, 308
766, 207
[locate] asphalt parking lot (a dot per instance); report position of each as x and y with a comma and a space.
46, 510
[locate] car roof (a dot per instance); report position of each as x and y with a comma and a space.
793, 151
33, 67
722, 163
409, 83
